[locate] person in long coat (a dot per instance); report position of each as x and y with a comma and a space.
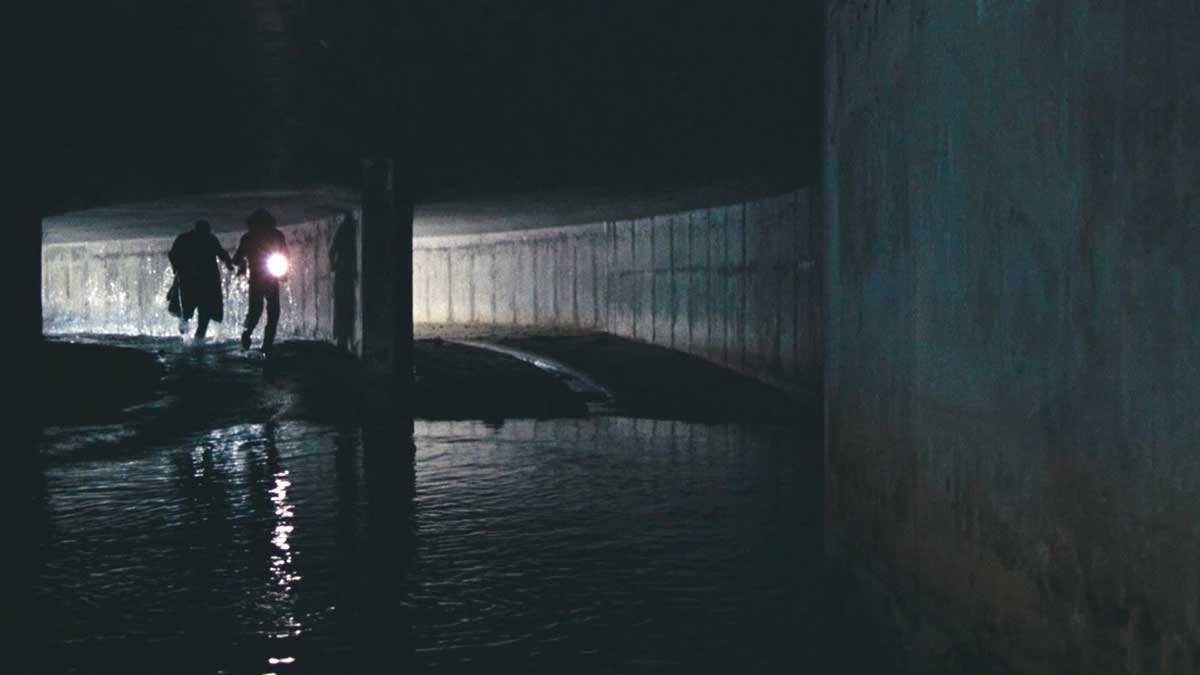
194, 257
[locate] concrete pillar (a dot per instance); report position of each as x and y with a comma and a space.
385, 281
20, 296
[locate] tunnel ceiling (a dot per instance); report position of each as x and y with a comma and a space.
476, 215
169, 217
153, 98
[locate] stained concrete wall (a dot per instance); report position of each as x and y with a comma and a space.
736, 284
1010, 195
120, 287
550, 277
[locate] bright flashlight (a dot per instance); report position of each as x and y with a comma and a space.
277, 265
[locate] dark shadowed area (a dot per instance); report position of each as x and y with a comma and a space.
138, 100
232, 522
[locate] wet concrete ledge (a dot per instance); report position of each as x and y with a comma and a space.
94, 379
651, 381
459, 381
84, 383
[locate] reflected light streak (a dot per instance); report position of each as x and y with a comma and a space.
281, 558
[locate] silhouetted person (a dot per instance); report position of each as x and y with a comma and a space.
194, 258
255, 251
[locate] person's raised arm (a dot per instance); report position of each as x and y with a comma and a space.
239, 256
221, 253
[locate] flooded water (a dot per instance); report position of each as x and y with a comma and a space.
282, 546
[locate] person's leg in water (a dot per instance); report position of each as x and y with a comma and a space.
184, 316
272, 293
202, 320
253, 314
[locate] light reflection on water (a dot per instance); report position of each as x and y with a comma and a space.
608, 545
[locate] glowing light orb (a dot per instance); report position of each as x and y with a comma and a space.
277, 264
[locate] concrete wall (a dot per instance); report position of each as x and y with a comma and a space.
20, 348
120, 287
551, 277
736, 284
1011, 195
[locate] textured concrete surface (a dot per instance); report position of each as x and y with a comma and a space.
511, 277
736, 284
383, 255
1010, 193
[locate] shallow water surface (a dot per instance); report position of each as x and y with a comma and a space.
581, 545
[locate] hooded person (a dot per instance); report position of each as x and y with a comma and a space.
263, 252
194, 256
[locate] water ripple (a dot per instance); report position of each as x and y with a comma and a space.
611, 545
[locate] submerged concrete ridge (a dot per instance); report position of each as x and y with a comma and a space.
576, 380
